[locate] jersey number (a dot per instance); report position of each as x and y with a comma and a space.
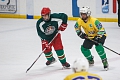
89, 78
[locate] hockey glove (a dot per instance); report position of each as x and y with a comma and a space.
45, 44
81, 35
100, 39
62, 27
96, 38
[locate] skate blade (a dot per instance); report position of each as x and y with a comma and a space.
65, 67
90, 65
106, 69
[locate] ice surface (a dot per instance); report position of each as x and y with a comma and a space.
20, 46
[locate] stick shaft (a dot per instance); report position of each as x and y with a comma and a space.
103, 46
41, 53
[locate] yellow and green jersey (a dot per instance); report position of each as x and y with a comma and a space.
83, 76
92, 27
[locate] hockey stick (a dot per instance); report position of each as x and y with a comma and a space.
102, 45
41, 52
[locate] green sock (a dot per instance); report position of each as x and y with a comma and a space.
61, 56
100, 51
86, 53
49, 56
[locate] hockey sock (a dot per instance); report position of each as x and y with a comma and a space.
61, 56
86, 53
49, 56
100, 51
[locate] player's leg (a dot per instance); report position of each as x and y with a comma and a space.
59, 50
85, 49
101, 52
49, 55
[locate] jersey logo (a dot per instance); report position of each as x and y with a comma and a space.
99, 26
90, 25
49, 30
76, 25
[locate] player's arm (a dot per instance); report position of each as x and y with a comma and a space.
61, 16
39, 31
42, 35
101, 30
101, 34
77, 27
64, 19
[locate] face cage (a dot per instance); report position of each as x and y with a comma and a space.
86, 16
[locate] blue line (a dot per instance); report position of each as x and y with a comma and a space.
29, 16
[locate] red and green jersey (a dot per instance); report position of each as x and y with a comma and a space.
48, 29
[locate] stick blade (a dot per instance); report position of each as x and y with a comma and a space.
27, 70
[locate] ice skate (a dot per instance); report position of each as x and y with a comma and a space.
51, 62
66, 65
91, 62
105, 64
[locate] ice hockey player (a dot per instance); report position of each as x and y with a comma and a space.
80, 69
47, 28
92, 30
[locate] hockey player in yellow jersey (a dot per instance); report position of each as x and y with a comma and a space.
92, 30
80, 69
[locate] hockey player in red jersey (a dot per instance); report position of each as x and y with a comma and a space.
47, 28
80, 68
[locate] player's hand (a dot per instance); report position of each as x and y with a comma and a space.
45, 44
62, 27
81, 35
98, 38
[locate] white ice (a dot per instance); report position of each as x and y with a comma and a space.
20, 46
